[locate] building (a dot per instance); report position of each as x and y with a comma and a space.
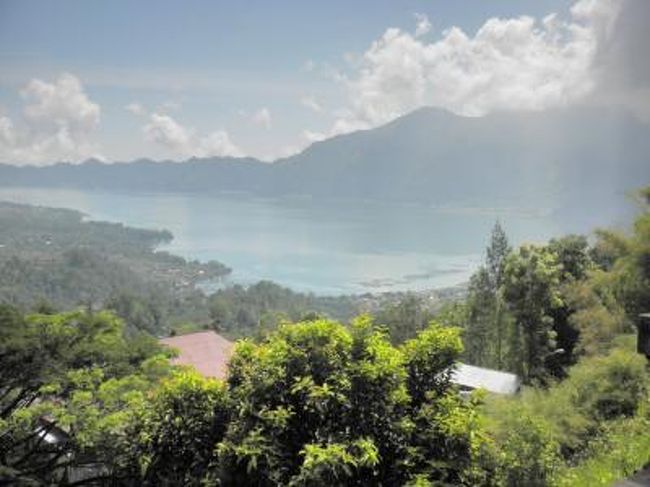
470, 377
206, 351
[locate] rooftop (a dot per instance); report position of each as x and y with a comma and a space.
207, 351
472, 377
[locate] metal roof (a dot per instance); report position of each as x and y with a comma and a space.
207, 351
472, 377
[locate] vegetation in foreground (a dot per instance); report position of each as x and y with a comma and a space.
320, 403
315, 403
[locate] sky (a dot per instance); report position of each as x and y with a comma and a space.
161, 79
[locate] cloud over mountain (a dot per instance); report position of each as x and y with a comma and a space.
508, 64
185, 142
59, 120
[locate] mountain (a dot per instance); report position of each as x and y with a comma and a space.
577, 160
194, 175
505, 159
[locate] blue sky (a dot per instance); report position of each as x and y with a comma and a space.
258, 78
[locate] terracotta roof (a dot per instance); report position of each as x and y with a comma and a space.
207, 351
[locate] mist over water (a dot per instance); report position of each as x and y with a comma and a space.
326, 248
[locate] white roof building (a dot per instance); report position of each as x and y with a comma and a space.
470, 377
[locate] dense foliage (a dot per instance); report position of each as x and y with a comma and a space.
68, 385
537, 309
246, 311
314, 403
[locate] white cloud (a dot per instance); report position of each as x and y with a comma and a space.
184, 142
262, 117
59, 121
166, 131
311, 137
311, 103
508, 64
422, 25
7, 132
218, 143
135, 108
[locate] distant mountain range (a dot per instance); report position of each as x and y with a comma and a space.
577, 160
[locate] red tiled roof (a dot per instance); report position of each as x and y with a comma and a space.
207, 351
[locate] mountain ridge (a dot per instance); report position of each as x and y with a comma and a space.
429, 156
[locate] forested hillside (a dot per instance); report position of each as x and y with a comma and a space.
54, 259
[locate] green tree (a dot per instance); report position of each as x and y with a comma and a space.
172, 440
317, 404
404, 318
481, 335
572, 253
75, 374
632, 270
496, 254
596, 314
531, 282
487, 318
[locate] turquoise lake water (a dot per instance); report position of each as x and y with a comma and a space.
332, 248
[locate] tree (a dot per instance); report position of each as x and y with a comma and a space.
404, 318
531, 280
572, 254
596, 315
172, 439
496, 254
317, 404
485, 328
480, 336
75, 374
632, 269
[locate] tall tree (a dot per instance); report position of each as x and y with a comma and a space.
572, 253
531, 280
485, 329
480, 327
496, 254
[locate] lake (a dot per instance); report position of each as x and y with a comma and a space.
334, 248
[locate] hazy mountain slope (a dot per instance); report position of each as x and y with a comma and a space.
503, 159
195, 175
576, 160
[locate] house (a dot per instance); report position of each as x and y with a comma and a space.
470, 377
206, 351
